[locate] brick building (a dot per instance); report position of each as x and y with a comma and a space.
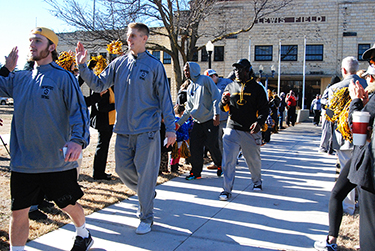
333, 30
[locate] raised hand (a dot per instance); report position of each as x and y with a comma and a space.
11, 59
81, 54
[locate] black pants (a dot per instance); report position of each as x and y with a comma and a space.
291, 116
204, 134
101, 154
316, 117
335, 210
366, 220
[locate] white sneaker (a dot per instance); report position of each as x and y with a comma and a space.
224, 196
143, 228
324, 246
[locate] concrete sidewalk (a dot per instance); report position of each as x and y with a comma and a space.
289, 214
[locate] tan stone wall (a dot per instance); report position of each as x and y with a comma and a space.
322, 22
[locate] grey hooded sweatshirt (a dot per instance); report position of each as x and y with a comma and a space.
202, 97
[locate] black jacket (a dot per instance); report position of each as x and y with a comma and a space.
361, 170
100, 107
252, 108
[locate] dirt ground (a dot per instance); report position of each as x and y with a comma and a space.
104, 193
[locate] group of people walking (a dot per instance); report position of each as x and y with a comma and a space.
44, 155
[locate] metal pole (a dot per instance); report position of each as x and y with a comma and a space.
209, 59
279, 70
249, 49
266, 84
93, 15
304, 73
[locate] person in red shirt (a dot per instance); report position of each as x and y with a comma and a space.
291, 101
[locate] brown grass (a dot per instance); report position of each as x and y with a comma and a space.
102, 194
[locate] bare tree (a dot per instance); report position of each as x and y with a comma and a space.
181, 21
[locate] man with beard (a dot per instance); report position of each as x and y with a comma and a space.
50, 128
247, 104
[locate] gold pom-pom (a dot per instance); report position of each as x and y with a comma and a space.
101, 64
340, 106
115, 47
66, 60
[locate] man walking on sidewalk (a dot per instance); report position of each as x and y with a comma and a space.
202, 105
142, 95
248, 109
49, 113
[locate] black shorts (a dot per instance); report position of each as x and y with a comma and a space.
61, 187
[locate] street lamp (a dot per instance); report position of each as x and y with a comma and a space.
261, 74
209, 49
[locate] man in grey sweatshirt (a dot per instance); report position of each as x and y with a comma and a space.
202, 104
142, 95
49, 114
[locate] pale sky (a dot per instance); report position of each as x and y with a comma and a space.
17, 19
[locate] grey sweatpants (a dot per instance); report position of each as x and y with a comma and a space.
137, 164
233, 141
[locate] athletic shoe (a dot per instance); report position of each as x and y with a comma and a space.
257, 188
212, 167
143, 228
37, 215
224, 196
82, 244
193, 177
325, 246
219, 172
322, 150
45, 205
106, 176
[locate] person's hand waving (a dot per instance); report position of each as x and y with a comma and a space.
81, 53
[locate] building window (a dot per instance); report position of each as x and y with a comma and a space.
204, 55
289, 52
166, 58
219, 53
361, 49
195, 55
314, 52
156, 54
263, 53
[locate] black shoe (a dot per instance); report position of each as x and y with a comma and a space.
174, 168
37, 215
106, 177
45, 205
82, 244
219, 172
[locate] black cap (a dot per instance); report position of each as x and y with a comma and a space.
243, 63
369, 53
334, 80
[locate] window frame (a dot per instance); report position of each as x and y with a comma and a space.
313, 56
361, 51
266, 56
293, 54
218, 55
156, 52
167, 59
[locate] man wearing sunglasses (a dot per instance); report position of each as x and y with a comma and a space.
247, 104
